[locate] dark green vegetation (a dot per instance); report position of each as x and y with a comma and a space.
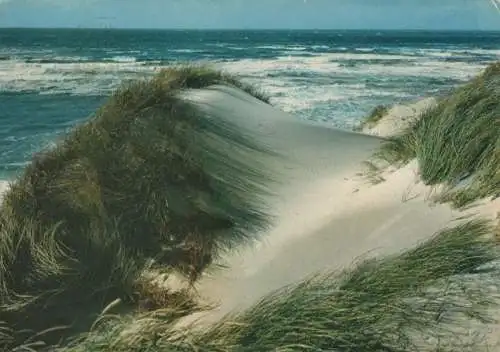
401, 303
457, 140
375, 115
146, 181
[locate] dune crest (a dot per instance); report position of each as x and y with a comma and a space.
327, 211
398, 118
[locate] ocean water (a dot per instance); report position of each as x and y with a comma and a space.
51, 79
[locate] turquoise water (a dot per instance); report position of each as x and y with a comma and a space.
52, 79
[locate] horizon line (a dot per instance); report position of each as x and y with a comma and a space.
259, 29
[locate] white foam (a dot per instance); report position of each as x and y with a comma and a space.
79, 76
86, 78
333, 64
123, 59
4, 185
321, 64
366, 50
449, 52
321, 47
271, 47
187, 51
296, 82
279, 77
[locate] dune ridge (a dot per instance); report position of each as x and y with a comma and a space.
398, 118
338, 215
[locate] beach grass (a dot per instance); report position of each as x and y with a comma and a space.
147, 181
457, 142
418, 300
373, 117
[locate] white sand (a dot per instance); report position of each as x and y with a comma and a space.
399, 117
327, 215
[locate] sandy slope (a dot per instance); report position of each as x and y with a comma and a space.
399, 117
328, 215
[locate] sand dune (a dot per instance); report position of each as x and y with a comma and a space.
327, 214
334, 150
399, 117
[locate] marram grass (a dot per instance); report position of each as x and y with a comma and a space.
457, 139
428, 298
147, 179
373, 117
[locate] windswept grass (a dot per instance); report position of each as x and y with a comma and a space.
148, 179
375, 115
456, 140
193, 77
428, 297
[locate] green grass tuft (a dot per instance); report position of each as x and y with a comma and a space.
375, 115
457, 139
148, 178
196, 76
421, 298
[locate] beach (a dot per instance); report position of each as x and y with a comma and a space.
193, 211
328, 212
330, 215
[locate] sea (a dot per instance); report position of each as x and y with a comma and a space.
52, 79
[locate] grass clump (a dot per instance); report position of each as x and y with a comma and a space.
375, 116
147, 179
372, 173
457, 139
418, 300
151, 295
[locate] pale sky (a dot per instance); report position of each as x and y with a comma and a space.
253, 14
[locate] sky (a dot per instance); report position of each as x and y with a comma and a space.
254, 14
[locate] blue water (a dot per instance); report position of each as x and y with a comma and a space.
53, 79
